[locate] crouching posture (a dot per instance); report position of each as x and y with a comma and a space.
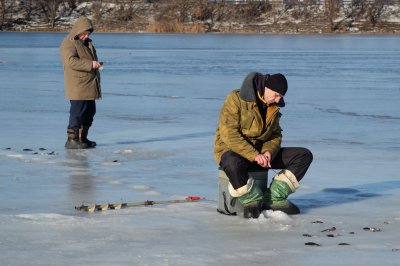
249, 136
82, 82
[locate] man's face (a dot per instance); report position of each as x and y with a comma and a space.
271, 96
84, 35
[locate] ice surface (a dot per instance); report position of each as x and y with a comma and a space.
155, 127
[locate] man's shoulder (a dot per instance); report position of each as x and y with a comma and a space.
68, 41
234, 93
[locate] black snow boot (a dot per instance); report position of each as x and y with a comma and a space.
251, 211
73, 141
83, 132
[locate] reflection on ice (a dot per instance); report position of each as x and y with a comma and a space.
347, 113
336, 196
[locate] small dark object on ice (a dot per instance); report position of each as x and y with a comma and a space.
35, 152
332, 235
372, 229
395, 249
312, 244
8, 148
27, 149
317, 222
115, 161
344, 244
351, 233
51, 153
307, 235
42, 149
329, 229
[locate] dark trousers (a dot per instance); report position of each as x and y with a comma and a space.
81, 113
296, 160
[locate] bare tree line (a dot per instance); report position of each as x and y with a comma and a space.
205, 12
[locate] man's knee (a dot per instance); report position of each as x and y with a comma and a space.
307, 155
232, 161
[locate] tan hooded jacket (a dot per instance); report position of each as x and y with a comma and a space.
241, 128
82, 82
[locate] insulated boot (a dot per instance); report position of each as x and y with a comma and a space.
275, 197
83, 132
251, 202
73, 141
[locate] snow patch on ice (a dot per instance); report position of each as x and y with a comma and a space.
146, 189
152, 192
19, 156
140, 187
114, 182
126, 151
277, 216
48, 217
305, 187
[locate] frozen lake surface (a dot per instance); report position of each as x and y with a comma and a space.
155, 131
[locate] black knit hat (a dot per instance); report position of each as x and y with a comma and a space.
277, 83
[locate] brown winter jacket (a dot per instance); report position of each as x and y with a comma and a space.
241, 128
82, 82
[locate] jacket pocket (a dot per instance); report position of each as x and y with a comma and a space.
249, 125
79, 74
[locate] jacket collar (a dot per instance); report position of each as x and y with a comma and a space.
247, 91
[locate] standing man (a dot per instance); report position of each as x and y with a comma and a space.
82, 82
249, 136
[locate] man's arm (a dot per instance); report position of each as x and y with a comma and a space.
71, 60
229, 128
273, 145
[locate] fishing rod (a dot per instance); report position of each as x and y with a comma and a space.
106, 61
117, 206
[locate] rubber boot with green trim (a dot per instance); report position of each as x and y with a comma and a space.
275, 197
73, 141
250, 196
83, 133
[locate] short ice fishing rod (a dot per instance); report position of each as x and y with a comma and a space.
117, 206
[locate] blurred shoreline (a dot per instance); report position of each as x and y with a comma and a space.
192, 17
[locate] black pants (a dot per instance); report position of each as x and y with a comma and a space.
81, 113
297, 160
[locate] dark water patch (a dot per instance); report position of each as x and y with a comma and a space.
336, 196
174, 97
210, 98
165, 96
341, 141
341, 190
144, 95
367, 195
354, 114
41, 111
141, 118
171, 138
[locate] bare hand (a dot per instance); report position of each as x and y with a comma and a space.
96, 64
261, 160
267, 156
264, 159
